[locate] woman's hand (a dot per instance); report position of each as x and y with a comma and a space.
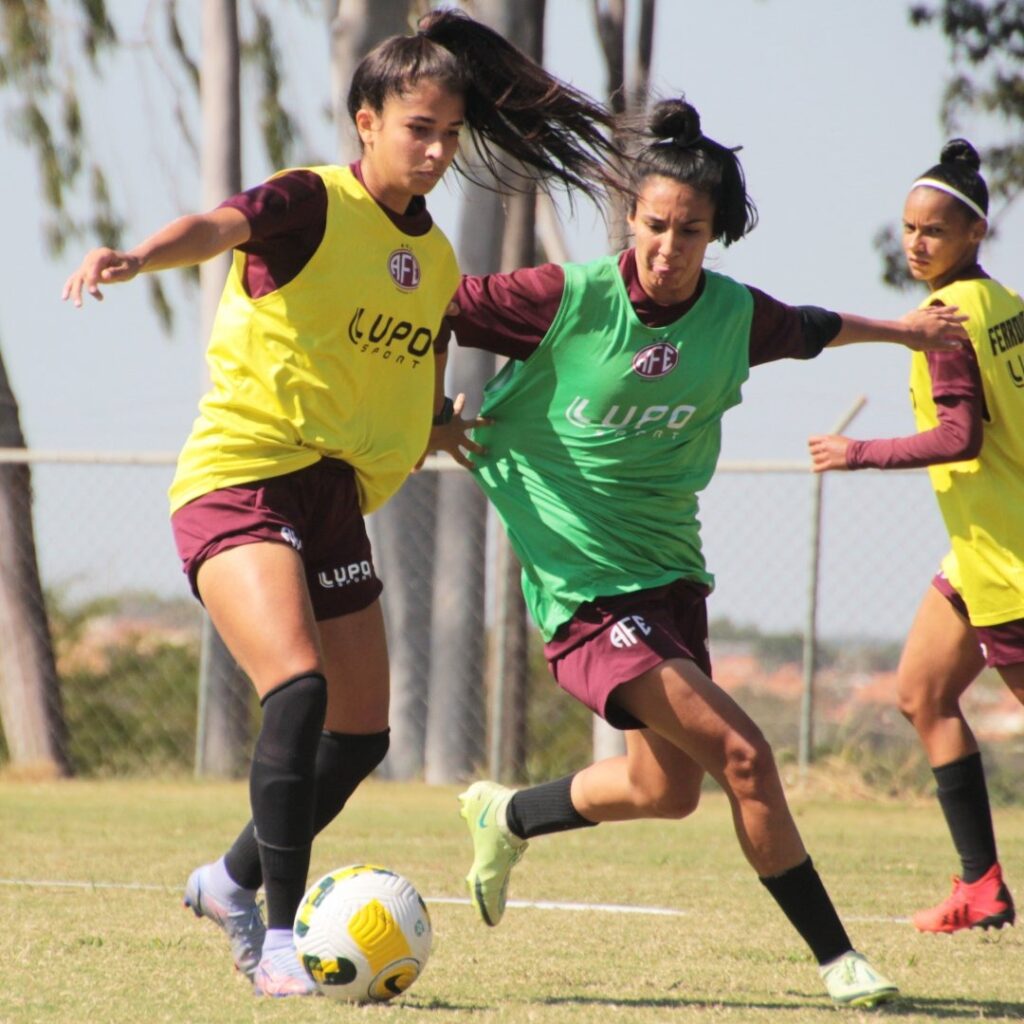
184, 242
100, 266
828, 451
452, 437
935, 327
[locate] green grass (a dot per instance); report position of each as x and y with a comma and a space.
113, 955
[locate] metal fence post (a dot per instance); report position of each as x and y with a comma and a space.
805, 748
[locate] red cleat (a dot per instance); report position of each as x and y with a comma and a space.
986, 903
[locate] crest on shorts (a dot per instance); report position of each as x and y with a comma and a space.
656, 360
404, 269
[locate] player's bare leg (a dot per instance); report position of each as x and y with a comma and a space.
257, 598
654, 779
677, 701
355, 657
941, 658
680, 703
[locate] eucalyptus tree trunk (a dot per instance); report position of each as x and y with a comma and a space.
628, 87
508, 654
457, 716
222, 730
627, 82
403, 531
508, 673
30, 702
356, 27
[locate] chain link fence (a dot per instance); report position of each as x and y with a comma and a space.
125, 632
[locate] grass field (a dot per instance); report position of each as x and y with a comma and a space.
117, 946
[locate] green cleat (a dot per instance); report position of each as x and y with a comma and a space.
495, 850
852, 981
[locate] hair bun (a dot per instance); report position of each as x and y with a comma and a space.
675, 119
960, 151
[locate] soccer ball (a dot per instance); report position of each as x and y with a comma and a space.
363, 934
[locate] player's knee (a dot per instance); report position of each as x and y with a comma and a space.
749, 762
919, 703
293, 717
908, 700
281, 778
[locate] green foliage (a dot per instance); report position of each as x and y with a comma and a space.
276, 124
883, 751
894, 264
135, 715
97, 29
36, 37
178, 46
770, 649
559, 729
25, 49
977, 29
160, 303
107, 226
986, 42
130, 701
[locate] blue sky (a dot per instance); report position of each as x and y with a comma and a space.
836, 108
834, 103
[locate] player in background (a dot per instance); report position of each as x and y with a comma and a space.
606, 426
969, 408
324, 382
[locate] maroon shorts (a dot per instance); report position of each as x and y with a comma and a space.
611, 640
1002, 644
315, 510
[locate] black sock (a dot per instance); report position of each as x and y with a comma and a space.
543, 809
803, 899
343, 760
281, 790
963, 797
242, 861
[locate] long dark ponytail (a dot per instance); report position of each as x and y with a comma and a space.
520, 117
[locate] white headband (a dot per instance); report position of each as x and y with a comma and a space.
956, 193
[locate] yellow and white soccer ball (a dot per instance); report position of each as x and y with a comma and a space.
363, 933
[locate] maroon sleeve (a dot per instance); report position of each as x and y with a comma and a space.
960, 405
508, 314
287, 218
288, 203
778, 331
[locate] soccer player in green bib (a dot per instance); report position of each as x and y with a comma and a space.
969, 408
324, 380
606, 426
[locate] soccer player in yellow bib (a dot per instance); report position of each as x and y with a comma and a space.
969, 407
324, 382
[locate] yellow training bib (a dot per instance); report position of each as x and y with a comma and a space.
982, 499
337, 363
